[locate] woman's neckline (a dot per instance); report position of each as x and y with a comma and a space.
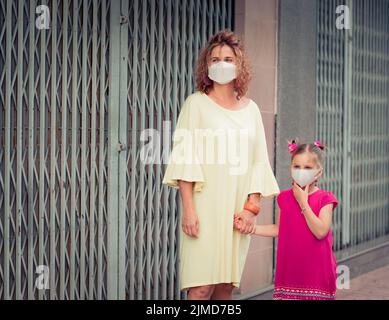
225, 108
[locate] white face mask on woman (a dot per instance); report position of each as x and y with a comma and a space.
304, 176
222, 72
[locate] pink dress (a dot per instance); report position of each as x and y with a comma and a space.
306, 266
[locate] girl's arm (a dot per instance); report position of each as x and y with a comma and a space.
268, 230
319, 225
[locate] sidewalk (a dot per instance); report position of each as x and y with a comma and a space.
373, 285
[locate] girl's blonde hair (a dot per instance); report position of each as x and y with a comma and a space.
317, 148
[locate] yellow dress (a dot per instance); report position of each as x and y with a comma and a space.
227, 161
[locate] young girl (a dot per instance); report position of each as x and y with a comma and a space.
306, 265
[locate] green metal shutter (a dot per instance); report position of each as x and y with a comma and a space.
53, 155
73, 101
353, 117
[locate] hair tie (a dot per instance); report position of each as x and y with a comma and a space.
318, 144
292, 147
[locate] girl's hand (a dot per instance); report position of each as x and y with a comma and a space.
190, 223
238, 224
301, 195
247, 221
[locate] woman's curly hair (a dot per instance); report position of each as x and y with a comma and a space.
224, 37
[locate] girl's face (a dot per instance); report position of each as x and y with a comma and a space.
307, 160
222, 53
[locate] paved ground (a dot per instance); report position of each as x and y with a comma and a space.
373, 285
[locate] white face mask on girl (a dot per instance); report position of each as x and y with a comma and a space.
222, 72
304, 176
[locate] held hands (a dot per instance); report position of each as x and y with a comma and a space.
190, 223
244, 221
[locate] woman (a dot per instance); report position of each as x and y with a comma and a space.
220, 117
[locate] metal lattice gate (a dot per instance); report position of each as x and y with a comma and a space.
353, 116
74, 196
53, 155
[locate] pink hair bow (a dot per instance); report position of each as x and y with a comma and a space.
292, 147
318, 144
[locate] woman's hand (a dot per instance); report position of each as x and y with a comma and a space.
301, 195
190, 223
237, 222
244, 221
190, 220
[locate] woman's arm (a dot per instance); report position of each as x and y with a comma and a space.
190, 221
254, 198
247, 218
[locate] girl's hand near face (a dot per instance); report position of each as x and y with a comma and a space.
300, 194
319, 225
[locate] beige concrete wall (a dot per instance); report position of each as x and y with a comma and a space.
256, 24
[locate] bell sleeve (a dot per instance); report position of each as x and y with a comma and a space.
183, 163
262, 179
